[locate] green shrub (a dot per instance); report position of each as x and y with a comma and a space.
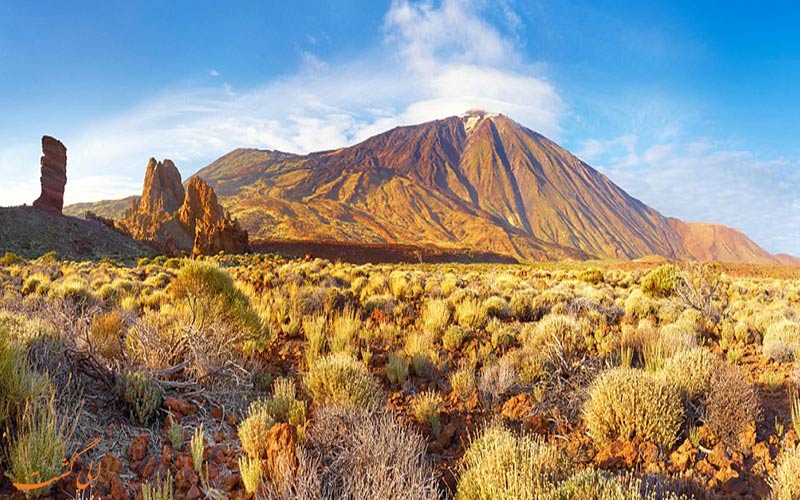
340, 379
426, 407
497, 307
142, 395
253, 429
20, 385
38, 447
662, 281
453, 337
561, 333
158, 489
689, 372
396, 369
197, 446
626, 403
212, 298
592, 275
250, 470
499, 465
471, 314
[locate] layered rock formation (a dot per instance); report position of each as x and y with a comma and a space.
175, 220
54, 175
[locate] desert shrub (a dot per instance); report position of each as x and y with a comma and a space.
212, 298
175, 434
496, 380
662, 281
639, 306
11, 259
38, 447
340, 379
383, 303
423, 355
250, 470
501, 465
425, 407
362, 456
197, 446
142, 395
592, 275
436, 316
159, 489
106, 333
453, 337
75, 290
283, 406
36, 284
396, 369
462, 381
592, 484
781, 341
497, 307
471, 314
345, 326
732, 405
785, 481
20, 385
625, 403
521, 305
689, 372
253, 429
560, 333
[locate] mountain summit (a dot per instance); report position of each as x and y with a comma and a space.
479, 181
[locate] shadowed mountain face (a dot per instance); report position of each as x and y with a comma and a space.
479, 181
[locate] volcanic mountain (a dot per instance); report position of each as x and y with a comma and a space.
479, 181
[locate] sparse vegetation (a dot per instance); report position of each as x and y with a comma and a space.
315, 379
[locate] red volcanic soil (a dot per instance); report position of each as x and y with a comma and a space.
363, 253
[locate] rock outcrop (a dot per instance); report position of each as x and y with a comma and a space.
54, 175
175, 220
214, 230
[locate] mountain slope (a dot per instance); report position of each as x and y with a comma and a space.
714, 242
480, 181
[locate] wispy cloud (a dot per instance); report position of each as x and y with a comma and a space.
436, 60
700, 180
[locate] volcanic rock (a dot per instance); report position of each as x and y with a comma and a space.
54, 174
163, 190
214, 230
175, 220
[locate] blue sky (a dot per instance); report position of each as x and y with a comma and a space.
691, 107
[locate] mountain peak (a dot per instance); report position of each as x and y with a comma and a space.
474, 116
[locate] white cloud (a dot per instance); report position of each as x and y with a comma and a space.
436, 61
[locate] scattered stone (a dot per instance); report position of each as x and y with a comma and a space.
281, 441
138, 449
178, 405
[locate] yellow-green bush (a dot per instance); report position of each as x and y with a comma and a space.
500, 465
625, 403
253, 430
785, 481
106, 333
781, 340
340, 379
38, 447
662, 281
